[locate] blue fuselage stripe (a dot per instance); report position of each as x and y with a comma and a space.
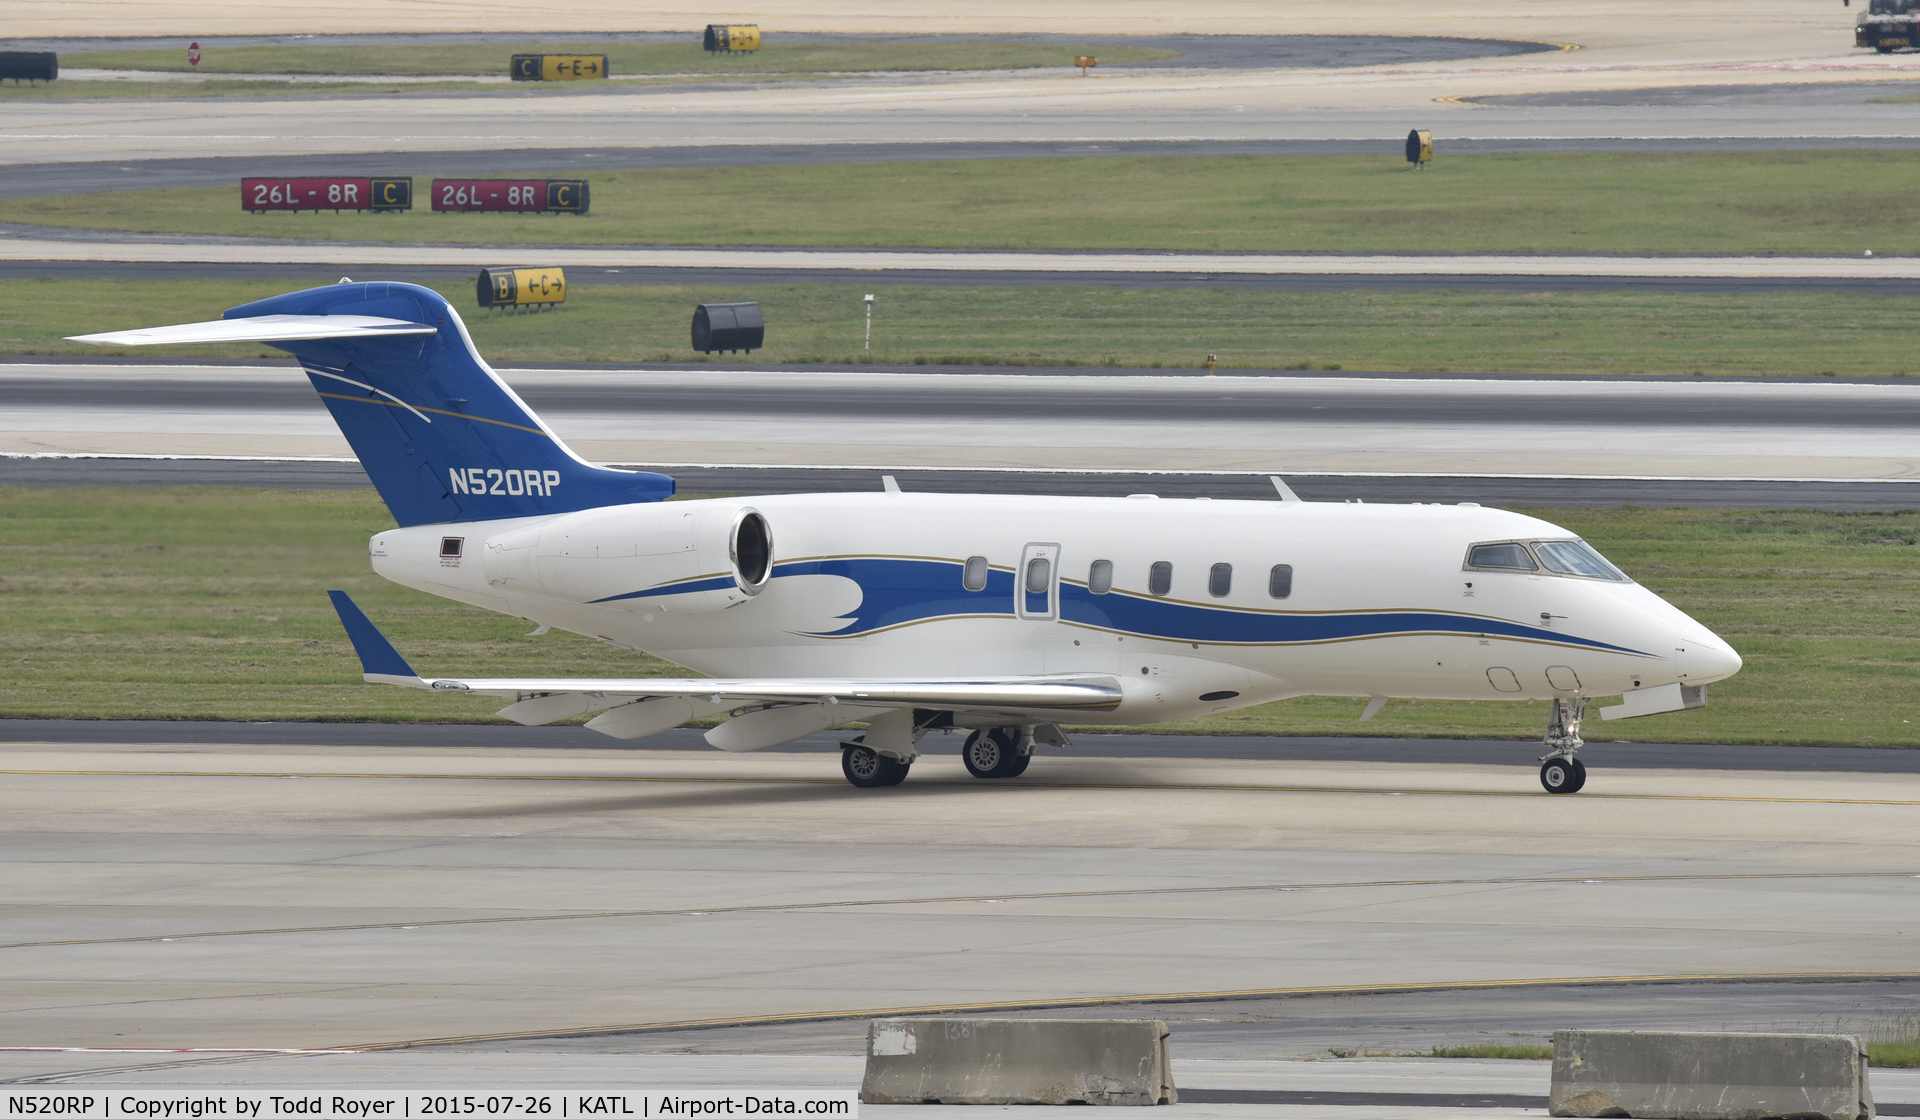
901, 591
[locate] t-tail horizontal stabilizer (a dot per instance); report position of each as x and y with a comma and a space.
262, 328
380, 663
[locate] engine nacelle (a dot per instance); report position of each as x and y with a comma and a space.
665, 558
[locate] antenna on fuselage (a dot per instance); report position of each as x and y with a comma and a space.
1286, 492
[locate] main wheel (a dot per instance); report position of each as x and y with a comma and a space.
1562, 775
983, 755
869, 769
993, 753
1019, 765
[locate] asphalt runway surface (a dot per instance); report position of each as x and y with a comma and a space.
1374, 104
1087, 393
1782, 94
1600, 754
1488, 491
1092, 421
297, 275
220, 894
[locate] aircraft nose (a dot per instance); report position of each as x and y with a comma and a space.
1704, 658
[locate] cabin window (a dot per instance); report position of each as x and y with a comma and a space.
1220, 581
1160, 577
1280, 581
974, 578
1100, 577
1039, 572
1510, 555
1576, 558
450, 546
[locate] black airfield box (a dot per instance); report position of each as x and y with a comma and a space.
29, 66
728, 326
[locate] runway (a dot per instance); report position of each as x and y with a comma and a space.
24, 244
1491, 490
1604, 431
1376, 104
223, 895
309, 275
1257, 748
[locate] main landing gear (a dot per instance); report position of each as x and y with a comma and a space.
883, 755
1560, 772
998, 752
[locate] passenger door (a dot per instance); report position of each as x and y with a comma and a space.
1036, 587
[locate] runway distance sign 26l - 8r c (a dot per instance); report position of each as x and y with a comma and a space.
258, 195
514, 196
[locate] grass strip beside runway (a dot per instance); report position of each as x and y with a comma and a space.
195, 603
1606, 332
1632, 203
685, 58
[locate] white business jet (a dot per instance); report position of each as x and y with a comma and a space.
1000, 616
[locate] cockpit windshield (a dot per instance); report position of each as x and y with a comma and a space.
1562, 558
1576, 558
1890, 7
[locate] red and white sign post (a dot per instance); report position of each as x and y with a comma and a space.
193, 54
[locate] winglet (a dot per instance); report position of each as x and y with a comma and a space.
380, 663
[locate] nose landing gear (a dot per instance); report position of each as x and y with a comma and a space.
1560, 772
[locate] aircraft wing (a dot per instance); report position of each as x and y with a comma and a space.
1019, 693
541, 699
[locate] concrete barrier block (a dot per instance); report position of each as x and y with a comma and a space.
1678, 1076
1017, 1061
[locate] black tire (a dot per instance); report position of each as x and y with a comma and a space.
867, 768
1579, 775
1019, 765
1558, 775
984, 754
993, 753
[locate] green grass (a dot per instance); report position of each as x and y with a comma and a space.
773, 57
1533, 1052
255, 71
1772, 332
1704, 202
206, 603
138, 90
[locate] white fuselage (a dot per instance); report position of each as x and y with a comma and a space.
1380, 601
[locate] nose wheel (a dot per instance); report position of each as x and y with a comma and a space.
1560, 772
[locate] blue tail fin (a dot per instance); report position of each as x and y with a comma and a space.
442, 437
